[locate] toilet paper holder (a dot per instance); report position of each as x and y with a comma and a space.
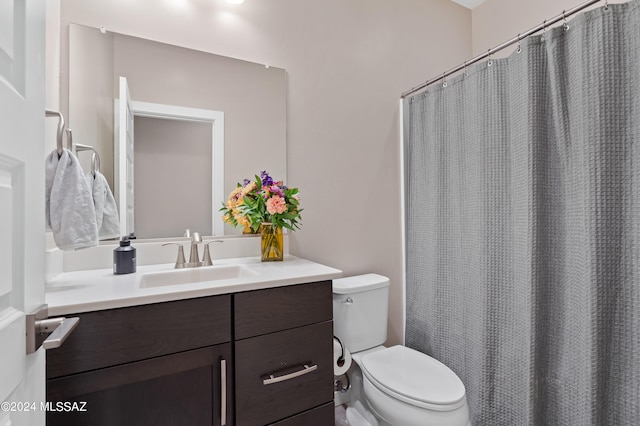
340, 361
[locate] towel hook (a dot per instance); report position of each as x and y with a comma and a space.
60, 132
95, 163
95, 157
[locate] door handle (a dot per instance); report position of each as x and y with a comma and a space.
223, 392
306, 369
38, 325
62, 328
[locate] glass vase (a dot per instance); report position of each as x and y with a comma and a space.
271, 244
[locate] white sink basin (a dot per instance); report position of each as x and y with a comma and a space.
195, 275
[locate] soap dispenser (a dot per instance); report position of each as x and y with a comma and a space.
124, 258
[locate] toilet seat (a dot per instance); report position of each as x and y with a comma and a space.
414, 378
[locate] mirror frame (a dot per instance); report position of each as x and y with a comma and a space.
172, 112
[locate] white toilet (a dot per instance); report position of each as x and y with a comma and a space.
399, 385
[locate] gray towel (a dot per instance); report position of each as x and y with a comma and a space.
106, 209
69, 209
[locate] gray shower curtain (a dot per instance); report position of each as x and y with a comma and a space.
522, 198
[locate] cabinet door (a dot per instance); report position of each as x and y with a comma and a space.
188, 388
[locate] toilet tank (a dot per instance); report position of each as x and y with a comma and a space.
360, 308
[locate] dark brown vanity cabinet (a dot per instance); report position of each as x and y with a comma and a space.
252, 358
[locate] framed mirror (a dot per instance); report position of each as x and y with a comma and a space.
251, 97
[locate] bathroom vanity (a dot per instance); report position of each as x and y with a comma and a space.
245, 349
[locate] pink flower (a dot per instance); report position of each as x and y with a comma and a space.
276, 204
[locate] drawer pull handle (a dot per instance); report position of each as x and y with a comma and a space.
223, 392
305, 370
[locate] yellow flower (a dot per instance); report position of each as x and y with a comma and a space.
243, 220
234, 193
247, 189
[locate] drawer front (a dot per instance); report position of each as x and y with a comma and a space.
118, 336
266, 311
319, 416
272, 382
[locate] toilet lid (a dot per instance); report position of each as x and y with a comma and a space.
413, 376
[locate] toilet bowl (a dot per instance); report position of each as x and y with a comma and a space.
399, 385
405, 387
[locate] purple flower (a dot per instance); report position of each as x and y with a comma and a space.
276, 190
266, 179
245, 182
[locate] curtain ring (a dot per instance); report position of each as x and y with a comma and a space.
490, 62
544, 30
519, 49
466, 71
606, 4
565, 25
444, 79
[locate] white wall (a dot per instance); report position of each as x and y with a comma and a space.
496, 21
347, 63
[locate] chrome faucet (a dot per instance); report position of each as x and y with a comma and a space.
194, 259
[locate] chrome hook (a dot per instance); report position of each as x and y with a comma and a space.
466, 71
544, 30
490, 62
519, 49
565, 25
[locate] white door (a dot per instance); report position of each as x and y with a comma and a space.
22, 93
123, 164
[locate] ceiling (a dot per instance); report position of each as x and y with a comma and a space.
469, 3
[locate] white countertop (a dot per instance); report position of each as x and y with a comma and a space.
99, 289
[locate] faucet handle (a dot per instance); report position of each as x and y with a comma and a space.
180, 260
206, 257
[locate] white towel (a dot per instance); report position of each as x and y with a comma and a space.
106, 209
69, 210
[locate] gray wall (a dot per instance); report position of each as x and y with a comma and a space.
90, 116
172, 177
347, 63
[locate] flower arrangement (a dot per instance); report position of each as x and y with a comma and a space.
262, 200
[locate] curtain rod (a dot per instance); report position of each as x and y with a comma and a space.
516, 39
